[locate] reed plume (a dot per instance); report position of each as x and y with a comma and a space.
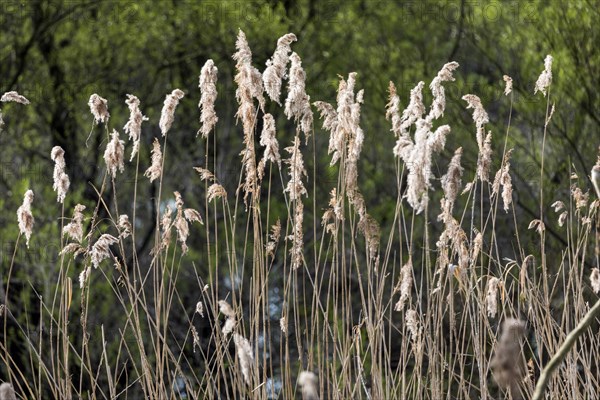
167, 115
492, 296
155, 169
503, 179
297, 104
61, 179
25, 217
124, 226
182, 218
231, 321
101, 249
114, 155
508, 85
308, 382
545, 79
275, 71
7, 392
269, 141
14, 97
596, 178
208, 97
74, 229
451, 181
296, 189
250, 87
595, 280
245, 356
484, 142
133, 127
507, 364
437, 89
99, 108
406, 281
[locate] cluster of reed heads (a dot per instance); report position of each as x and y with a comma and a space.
319, 301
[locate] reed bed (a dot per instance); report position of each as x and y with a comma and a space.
304, 298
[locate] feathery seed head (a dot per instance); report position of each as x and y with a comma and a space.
503, 179
99, 108
7, 392
74, 229
226, 309
508, 85
100, 249
208, 90
248, 79
274, 239
167, 115
480, 116
114, 154
393, 110
439, 96
451, 182
268, 140
415, 109
596, 178
545, 79
84, 276
14, 97
200, 309
181, 221
245, 356
61, 179
595, 280
405, 285
124, 225
297, 104
230, 322
415, 329
133, 127
155, 169
283, 325
308, 383
275, 71
508, 366
25, 217
295, 187
205, 174
216, 191
492, 296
